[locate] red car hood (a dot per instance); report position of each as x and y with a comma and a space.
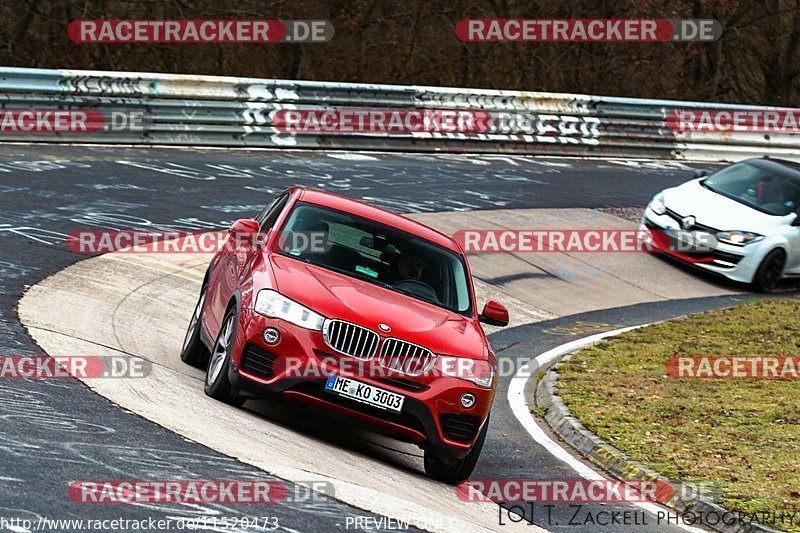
335, 295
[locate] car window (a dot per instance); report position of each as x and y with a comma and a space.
377, 253
269, 215
352, 238
757, 188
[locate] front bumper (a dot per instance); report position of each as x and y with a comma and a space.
737, 263
298, 365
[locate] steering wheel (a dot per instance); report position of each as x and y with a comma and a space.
417, 288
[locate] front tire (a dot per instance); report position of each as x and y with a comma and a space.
194, 352
217, 384
454, 471
769, 271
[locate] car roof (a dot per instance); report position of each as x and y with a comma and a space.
364, 210
783, 167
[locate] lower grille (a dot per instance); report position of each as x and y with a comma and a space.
258, 361
404, 384
460, 428
350, 339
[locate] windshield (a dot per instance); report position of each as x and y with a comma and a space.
757, 188
380, 254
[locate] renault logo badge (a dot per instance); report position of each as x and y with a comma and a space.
688, 222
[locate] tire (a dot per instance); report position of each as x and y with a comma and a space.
217, 384
769, 271
194, 352
452, 471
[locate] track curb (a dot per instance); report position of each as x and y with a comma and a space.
687, 501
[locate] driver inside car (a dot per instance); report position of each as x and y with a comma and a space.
407, 276
411, 265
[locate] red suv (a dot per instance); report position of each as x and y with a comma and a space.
357, 310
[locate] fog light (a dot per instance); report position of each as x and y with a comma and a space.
271, 336
468, 400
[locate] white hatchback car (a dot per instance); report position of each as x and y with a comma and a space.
748, 214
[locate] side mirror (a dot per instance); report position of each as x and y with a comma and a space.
700, 173
244, 227
494, 314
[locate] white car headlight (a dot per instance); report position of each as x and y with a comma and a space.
738, 238
657, 204
275, 305
477, 371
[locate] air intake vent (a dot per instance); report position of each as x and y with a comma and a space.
350, 339
258, 362
460, 428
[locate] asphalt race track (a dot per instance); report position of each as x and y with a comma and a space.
59, 432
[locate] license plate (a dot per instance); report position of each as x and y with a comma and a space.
361, 392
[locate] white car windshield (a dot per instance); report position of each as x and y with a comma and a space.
756, 187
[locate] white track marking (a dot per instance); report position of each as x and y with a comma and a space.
351, 156
521, 410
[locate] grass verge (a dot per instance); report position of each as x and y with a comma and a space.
743, 435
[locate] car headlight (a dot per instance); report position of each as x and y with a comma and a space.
657, 204
275, 305
477, 371
738, 238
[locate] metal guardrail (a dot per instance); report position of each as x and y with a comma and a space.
225, 111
